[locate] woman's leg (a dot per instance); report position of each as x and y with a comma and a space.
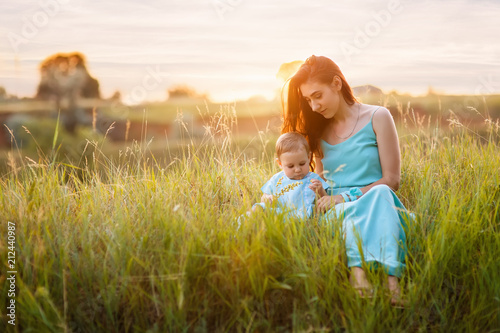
359, 281
395, 291
374, 231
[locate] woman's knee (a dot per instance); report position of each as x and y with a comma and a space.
381, 188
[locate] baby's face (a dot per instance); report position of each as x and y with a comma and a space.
295, 164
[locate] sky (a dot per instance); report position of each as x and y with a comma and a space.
232, 49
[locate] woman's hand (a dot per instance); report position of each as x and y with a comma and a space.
328, 201
267, 198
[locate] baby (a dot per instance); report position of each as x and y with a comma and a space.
295, 188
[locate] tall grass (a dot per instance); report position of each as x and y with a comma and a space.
136, 244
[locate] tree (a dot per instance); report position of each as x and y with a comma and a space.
117, 96
66, 75
64, 78
184, 91
287, 69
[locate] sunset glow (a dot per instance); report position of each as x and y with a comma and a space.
233, 49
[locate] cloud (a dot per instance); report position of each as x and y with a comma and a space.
427, 43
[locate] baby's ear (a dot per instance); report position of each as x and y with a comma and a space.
279, 163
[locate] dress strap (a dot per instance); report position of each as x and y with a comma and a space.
374, 113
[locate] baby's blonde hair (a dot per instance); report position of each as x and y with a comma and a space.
291, 142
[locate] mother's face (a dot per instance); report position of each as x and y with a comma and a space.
323, 98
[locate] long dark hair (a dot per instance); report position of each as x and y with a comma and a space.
297, 114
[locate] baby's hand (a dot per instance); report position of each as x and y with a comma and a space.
267, 198
317, 187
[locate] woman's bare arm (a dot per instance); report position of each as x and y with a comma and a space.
388, 149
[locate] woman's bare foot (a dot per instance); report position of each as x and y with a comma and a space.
359, 282
395, 292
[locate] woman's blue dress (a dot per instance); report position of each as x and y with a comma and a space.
376, 220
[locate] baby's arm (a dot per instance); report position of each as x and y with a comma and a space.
267, 198
264, 200
317, 187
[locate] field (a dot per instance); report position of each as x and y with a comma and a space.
146, 240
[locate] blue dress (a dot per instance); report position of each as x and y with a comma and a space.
376, 220
294, 196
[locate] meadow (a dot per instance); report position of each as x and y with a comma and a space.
147, 241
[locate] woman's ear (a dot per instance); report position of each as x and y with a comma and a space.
336, 83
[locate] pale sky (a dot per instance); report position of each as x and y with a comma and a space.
232, 49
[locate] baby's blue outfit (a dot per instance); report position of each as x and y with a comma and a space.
294, 196
377, 218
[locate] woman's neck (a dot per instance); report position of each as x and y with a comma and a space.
345, 112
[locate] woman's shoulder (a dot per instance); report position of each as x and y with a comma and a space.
379, 110
370, 114
381, 119
373, 110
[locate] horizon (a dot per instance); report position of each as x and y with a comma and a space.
232, 50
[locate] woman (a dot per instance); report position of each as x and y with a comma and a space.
356, 150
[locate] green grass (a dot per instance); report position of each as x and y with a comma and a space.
167, 112
142, 243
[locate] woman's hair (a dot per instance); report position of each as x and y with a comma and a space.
291, 142
297, 114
